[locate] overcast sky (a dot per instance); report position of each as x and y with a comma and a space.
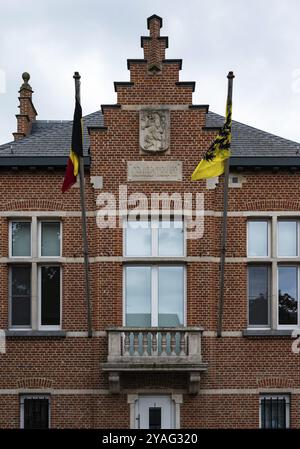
258, 39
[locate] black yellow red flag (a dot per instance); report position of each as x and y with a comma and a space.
76, 149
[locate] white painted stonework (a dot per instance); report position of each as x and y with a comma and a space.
154, 171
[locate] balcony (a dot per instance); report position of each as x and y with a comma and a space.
175, 349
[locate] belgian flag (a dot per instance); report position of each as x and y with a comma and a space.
213, 162
76, 149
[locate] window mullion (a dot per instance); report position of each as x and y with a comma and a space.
34, 296
154, 296
34, 237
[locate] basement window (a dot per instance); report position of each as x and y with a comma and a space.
34, 412
274, 411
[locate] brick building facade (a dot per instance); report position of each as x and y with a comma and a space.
154, 359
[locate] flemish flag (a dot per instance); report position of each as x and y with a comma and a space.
76, 149
213, 162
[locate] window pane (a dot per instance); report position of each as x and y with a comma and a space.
287, 295
50, 239
170, 296
138, 238
21, 239
258, 291
170, 238
50, 300
154, 417
20, 296
257, 238
287, 238
138, 296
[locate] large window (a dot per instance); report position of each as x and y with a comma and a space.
35, 412
154, 296
274, 411
273, 272
155, 289
35, 278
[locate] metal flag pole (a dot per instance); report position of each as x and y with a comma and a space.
84, 224
230, 77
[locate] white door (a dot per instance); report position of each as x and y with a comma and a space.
154, 412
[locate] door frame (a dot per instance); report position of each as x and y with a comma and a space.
176, 399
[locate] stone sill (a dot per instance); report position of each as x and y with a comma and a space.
267, 333
34, 333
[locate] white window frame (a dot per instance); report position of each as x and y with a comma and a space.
288, 326
275, 396
35, 261
47, 327
34, 396
266, 220
154, 291
154, 237
10, 245
297, 238
40, 222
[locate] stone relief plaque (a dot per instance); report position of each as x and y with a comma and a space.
154, 171
154, 130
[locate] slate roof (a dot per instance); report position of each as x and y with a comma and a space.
52, 139
252, 142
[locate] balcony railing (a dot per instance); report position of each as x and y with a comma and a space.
154, 349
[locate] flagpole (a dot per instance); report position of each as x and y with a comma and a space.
84, 224
230, 77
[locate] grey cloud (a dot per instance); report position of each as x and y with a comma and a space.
50, 39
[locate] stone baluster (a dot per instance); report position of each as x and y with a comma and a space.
136, 343
145, 343
126, 343
163, 344
154, 351
182, 344
173, 343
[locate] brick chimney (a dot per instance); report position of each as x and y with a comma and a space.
154, 45
27, 113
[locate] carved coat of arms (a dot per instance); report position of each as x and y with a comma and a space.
154, 130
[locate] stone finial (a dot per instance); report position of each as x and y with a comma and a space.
26, 78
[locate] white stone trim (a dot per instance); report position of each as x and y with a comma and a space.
90, 213
131, 396
178, 399
224, 334
131, 400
